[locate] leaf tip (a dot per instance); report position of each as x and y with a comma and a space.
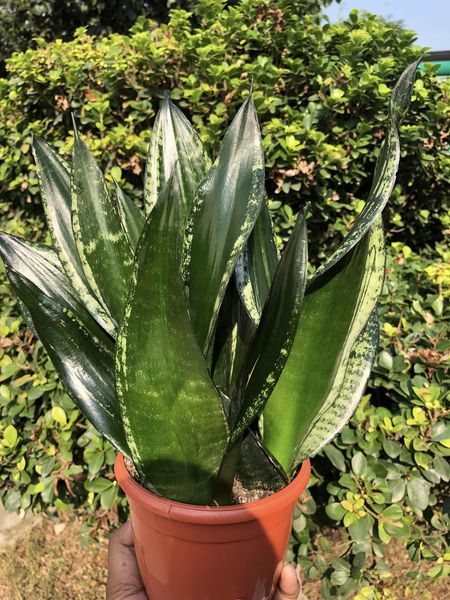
75, 128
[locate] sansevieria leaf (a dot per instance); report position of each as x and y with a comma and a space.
174, 142
342, 401
172, 412
225, 210
335, 310
40, 265
82, 355
132, 217
385, 169
235, 332
256, 266
274, 337
54, 179
104, 250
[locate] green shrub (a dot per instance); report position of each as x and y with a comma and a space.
321, 94
23, 20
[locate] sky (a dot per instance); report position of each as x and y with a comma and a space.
429, 18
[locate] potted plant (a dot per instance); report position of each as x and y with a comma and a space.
213, 365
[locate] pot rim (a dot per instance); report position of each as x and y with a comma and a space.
210, 515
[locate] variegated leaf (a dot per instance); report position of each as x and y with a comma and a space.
81, 353
385, 169
225, 210
270, 349
335, 310
41, 266
256, 266
132, 217
173, 415
106, 255
54, 178
348, 387
174, 142
234, 334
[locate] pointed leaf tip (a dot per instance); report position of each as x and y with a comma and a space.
74, 125
401, 95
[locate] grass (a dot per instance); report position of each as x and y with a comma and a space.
47, 566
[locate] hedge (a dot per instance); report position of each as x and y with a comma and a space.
321, 93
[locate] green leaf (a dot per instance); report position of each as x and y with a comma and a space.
225, 210
383, 535
82, 354
256, 469
335, 511
174, 142
256, 266
10, 436
397, 489
234, 334
331, 355
361, 528
440, 431
108, 497
59, 415
385, 171
336, 457
173, 414
132, 217
270, 349
393, 513
359, 464
40, 265
103, 248
442, 468
99, 485
418, 492
54, 179
392, 448
343, 399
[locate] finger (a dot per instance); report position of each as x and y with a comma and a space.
124, 580
288, 586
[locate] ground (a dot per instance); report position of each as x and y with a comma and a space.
45, 560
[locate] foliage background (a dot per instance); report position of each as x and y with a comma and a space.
321, 94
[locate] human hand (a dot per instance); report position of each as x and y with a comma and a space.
125, 583
124, 579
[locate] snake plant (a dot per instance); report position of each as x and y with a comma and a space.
179, 331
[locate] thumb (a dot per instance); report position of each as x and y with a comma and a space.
288, 586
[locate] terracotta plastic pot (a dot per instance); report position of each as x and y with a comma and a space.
188, 552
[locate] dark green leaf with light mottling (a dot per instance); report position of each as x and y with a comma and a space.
225, 210
54, 178
279, 321
385, 169
234, 334
256, 469
336, 309
41, 266
348, 386
132, 217
173, 415
83, 356
174, 142
256, 266
105, 253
